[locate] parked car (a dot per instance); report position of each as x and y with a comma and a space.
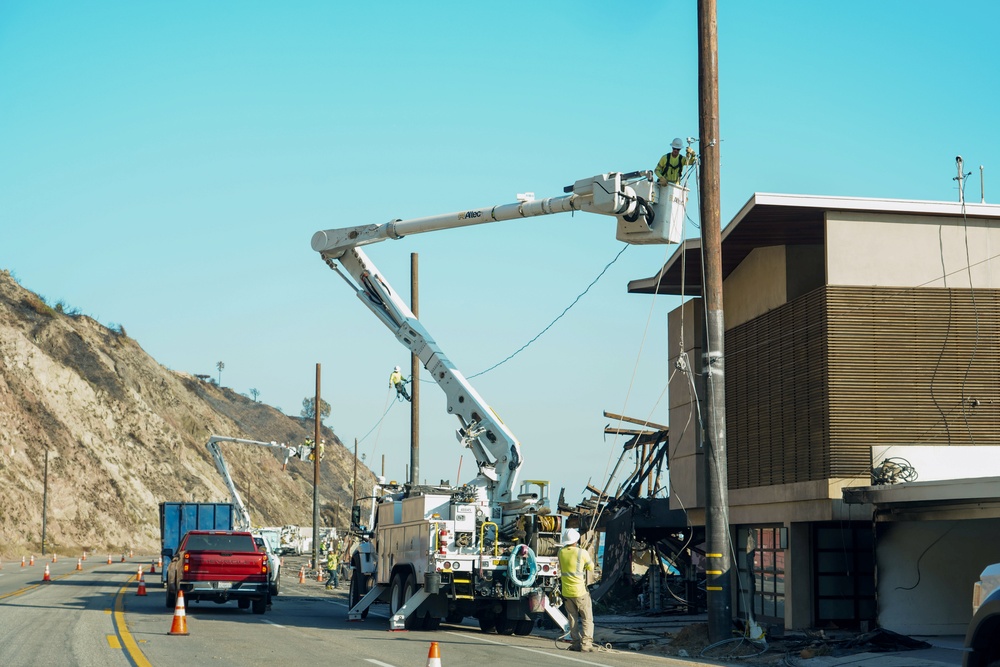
982, 641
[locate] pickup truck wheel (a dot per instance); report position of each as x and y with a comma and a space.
259, 606
275, 587
243, 603
171, 597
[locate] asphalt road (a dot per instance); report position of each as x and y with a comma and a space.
95, 617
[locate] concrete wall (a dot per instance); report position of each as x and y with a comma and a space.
686, 462
907, 251
926, 570
756, 286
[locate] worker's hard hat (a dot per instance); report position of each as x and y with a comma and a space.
572, 537
396, 369
677, 143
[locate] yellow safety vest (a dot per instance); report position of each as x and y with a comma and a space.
670, 167
395, 378
573, 564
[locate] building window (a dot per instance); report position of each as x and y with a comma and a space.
762, 572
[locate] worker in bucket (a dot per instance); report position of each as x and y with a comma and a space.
332, 566
668, 169
574, 563
397, 380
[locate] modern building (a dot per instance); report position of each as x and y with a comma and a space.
862, 350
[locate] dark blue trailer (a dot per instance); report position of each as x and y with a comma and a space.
176, 519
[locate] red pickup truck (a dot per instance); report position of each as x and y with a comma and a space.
219, 565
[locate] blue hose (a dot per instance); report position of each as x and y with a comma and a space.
523, 558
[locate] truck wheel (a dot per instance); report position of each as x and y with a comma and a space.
243, 603
396, 600
505, 626
275, 588
524, 627
259, 606
487, 622
171, 598
359, 586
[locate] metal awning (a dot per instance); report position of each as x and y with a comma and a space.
975, 498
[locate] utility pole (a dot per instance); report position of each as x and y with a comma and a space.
316, 474
414, 378
717, 564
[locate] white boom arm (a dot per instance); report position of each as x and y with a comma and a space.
646, 213
242, 514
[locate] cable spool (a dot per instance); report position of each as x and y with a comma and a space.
523, 558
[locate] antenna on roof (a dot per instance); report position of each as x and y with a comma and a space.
982, 188
961, 190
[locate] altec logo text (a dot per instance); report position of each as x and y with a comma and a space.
469, 215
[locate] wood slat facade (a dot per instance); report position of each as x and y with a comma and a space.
814, 384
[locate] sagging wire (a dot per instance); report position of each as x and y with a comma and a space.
628, 393
558, 317
378, 424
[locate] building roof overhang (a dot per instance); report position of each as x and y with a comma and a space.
975, 498
779, 219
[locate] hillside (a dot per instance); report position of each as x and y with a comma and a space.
125, 433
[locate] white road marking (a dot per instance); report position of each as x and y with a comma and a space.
378, 662
529, 650
277, 625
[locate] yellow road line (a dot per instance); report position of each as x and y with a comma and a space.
121, 628
113, 642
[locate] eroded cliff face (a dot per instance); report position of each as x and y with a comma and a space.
124, 433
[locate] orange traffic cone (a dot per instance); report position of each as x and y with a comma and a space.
434, 656
152, 568
84, 554
159, 562
142, 584
180, 625
79, 564
46, 577
31, 561
130, 553
302, 575
55, 558
22, 561
109, 559
319, 575
123, 558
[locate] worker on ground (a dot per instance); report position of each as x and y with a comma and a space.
668, 169
332, 566
574, 563
397, 380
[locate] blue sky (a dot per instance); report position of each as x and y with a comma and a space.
164, 165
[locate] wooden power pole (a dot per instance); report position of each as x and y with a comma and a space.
717, 564
316, 451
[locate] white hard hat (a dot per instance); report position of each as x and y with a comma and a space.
572, 537
396, 369
677, 143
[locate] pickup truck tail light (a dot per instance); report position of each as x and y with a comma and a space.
263, 568
187, 565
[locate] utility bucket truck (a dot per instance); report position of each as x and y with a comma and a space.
242, 515
478, 549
